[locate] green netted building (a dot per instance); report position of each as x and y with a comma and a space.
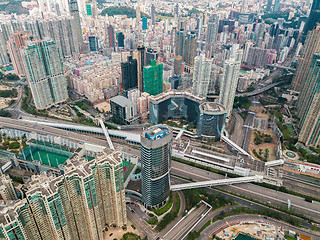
152, 78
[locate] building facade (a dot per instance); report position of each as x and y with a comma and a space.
123, 110
89, 197
211, 121
309, 105
201, 75
213, 24
156, 164
314, 17
311, 46
44, 73
153, 78
7, 189
129, 74
229, 82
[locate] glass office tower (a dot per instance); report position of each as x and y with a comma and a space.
156, 164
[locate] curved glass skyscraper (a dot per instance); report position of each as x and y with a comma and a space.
156, 164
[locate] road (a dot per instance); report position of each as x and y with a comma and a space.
259, 90
251, 190
220, 224
247, 130
182, 229
242, 202
141, 224
237, 135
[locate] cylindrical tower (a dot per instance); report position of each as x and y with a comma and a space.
156, 164
211, 121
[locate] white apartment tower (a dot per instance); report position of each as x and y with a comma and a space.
229, 82
201, 75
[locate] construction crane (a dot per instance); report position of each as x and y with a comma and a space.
233, 228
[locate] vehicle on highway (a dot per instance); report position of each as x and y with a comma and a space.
308, 200
251, 204
269, 202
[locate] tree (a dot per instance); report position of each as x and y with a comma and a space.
12, 76
282, 100
257, 140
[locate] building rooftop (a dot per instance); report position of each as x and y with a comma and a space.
122, 101
156, 132
170, 94
212, 107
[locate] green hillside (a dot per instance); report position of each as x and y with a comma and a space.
122, 10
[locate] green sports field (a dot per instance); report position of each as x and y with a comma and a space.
47, 158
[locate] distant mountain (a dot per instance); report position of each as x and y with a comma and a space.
122, 10
12, 6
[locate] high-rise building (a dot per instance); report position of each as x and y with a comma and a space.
229, 82
176, 10
276, 6
212, 31
153, 78
111, 36
186, 46
78, 205
308, 89
260, 34
63, 32
309, 106
179, 44
156, 164
14, 44
129, 74
257, 57
247, 46
201, 75
4, 60
93, 43
44, 73
314, 17
177, 65
141, 62
151, 55
311, 46
74, 11
269, 5
89, 8
7, 189
138, 14
6, 29
144, 23
189, 50
153, 14
120, 38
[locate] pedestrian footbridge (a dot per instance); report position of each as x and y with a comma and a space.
218, 182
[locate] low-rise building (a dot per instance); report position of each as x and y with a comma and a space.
123, 110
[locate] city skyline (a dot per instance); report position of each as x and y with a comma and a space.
143, 119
